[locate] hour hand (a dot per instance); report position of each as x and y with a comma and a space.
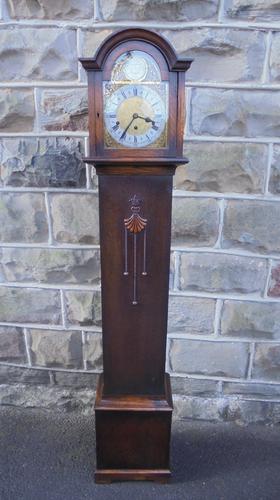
147, 119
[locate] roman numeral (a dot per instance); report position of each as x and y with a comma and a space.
135, 139
154, 126
115, 127
123, 94
134, 90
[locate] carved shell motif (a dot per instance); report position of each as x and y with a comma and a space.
135, 223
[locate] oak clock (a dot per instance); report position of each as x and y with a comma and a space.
136, 88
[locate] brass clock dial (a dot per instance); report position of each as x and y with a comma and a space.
135, 115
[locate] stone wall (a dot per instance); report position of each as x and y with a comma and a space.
224, 311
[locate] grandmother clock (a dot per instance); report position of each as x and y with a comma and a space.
136, 124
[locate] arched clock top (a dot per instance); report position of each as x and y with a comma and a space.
114, 40
136, 98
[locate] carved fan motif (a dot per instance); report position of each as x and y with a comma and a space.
135, 224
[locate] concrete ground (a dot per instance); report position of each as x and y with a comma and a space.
50, 456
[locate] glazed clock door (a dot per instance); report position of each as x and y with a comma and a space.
135, 103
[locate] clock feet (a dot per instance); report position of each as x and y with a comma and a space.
112, 475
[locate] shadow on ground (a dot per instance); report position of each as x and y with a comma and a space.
50, 456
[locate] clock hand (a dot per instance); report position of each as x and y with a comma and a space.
134, 116
147, 119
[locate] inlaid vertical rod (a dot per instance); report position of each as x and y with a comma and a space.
134, 302
125, 252
144, 272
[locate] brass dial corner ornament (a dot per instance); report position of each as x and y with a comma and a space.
134, 226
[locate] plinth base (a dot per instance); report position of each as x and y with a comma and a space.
107, 476
133, 436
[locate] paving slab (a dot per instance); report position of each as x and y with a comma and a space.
46, 455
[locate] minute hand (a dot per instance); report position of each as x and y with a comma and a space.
135, 115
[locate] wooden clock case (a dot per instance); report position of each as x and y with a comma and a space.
134, 403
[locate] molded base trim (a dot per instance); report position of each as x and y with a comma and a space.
108, 475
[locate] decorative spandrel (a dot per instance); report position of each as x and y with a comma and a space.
135, 227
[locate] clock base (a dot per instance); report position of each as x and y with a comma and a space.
133, 436
107, 476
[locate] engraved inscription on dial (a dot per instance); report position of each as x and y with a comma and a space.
135, 115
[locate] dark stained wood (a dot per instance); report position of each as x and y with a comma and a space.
107, 476
133, 435
136, 162
134, 337
134, 403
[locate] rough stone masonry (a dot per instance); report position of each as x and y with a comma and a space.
224, 311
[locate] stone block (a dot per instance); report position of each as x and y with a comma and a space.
220, 55
83, 308
274, 61
172, 270
150, 10
57, 349
23, 218
12, 345
220, 359
191, 315
30, 305
51, 9
17, 110
93, 178
75, 218
226, 410
49, 397
93, 351
20, 375
258, 320
91, 40
75, 380
194, 387
250, 225
40, 162
64, 109
266, 364
38, 54
196, 408
223, 167
274, 181
195, 222
250, 113
252, 390
50, 265
253, 10
274, 280
221, 273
